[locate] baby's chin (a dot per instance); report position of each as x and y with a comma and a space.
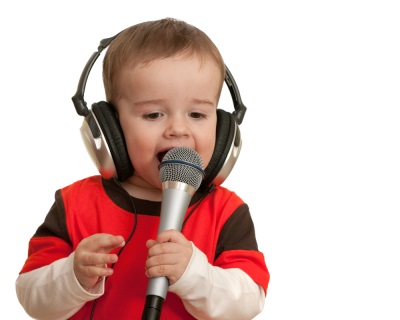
139, 188
145, 182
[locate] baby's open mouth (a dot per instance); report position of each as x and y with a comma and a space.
161, 155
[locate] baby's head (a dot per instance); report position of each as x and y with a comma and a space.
164, 78
154, 40
163, 81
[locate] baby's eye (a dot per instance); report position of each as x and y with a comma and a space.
196, 115
153, 115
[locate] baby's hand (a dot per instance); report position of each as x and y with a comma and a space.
92, 255
168, 255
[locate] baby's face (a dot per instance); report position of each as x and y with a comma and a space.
165, 104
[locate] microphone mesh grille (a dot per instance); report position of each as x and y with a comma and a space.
188, 167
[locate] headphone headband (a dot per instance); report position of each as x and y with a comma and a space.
81, 105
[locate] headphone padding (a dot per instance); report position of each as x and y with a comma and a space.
224, 137
112, 131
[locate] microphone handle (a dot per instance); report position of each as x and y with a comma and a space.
174, 205
152, 308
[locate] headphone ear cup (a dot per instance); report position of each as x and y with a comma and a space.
114, 137
225, 135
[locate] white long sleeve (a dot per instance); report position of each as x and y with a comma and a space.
210, 292
52, 292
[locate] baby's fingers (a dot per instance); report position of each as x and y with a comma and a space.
104, 243
97, 259
96, 271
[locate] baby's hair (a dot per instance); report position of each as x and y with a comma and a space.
152, 40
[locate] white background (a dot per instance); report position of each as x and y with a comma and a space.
321, 150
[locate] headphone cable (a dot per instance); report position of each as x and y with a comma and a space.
127, 239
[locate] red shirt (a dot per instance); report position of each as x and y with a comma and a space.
217, 222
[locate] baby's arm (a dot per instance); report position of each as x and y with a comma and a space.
210, 292
56, 291
53, 292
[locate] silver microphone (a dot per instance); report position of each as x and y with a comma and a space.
181, 174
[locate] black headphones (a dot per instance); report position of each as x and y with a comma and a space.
105, 142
